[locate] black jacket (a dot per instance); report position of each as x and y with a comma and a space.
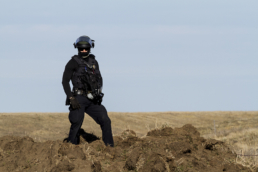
72, 69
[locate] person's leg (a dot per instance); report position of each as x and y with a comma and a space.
99, 114
76, 117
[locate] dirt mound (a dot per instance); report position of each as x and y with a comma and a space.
162, 150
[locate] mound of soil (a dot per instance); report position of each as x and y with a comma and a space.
163, 150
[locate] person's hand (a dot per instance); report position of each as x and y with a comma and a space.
100, 101
99, 98
74, 103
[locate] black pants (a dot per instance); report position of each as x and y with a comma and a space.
97, 112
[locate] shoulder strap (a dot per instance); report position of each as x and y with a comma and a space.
77, 59
81, 62
92, 56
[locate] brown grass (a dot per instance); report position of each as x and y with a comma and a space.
237, 129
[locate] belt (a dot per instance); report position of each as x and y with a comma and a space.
79, 92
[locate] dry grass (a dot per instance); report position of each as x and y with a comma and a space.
237, 129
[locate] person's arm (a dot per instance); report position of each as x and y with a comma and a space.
97, 67
67, 76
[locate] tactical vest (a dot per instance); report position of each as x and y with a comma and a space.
87, 76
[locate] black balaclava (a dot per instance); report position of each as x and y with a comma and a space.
84, 54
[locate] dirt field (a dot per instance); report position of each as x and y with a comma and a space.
237, 129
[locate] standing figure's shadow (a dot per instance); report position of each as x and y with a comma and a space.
88, 137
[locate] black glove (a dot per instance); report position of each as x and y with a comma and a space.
98, 98
99, 101
74, 103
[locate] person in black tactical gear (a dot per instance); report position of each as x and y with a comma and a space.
86, 95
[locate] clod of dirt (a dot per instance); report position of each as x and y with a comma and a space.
128, 133
98, 145
19, 143
179, 149
154, 163
130, 163
112, 168
113, 153
63, 166
191, 130
211, 143
127, 142
233, 168
71, 151
163, 132
96, 166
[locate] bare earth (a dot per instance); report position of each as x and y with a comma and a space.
237, 129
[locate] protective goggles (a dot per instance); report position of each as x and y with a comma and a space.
81, 49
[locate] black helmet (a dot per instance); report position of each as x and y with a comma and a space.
84, 42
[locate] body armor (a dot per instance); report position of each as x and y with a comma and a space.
87, 76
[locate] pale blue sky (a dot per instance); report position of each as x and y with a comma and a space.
154, 55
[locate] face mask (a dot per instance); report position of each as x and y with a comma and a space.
83, 53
